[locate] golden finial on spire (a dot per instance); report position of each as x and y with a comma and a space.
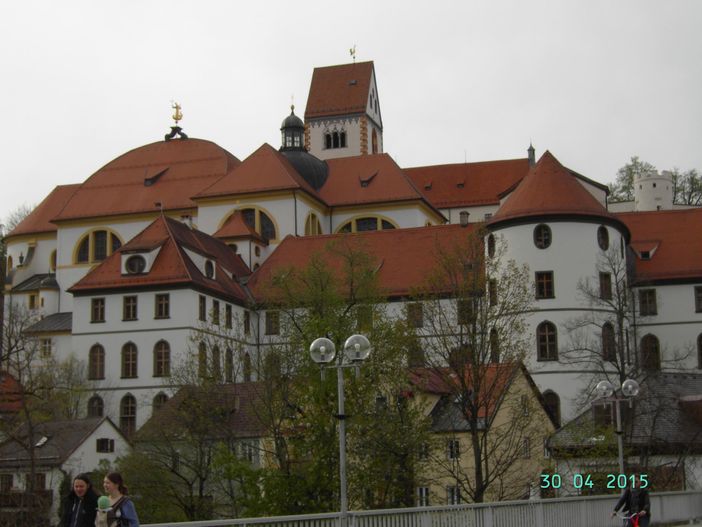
352, 52
177, 115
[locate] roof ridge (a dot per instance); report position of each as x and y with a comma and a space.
178, 247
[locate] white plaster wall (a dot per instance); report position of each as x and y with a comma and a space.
676, 325
476, 214
352, 126
280, 209
404, 217
653, 192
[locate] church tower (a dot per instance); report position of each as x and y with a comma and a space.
342, 117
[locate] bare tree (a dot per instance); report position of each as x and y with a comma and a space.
474, 338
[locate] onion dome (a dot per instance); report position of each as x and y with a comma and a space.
293, 132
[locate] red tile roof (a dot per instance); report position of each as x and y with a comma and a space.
367, 179
236, 227
334, 92
467, 184
39, 220
263, 171
675, 236
172, 266
549, 189
167, 172
391, 249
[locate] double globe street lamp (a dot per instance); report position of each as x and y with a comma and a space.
323, 351
606, 393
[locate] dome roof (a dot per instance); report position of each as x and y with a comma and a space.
292, 120
312, 169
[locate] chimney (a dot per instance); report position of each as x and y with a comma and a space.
532, 155
464, 218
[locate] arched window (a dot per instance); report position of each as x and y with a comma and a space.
160, 400
247, 367
553, 406
650, 353
96, 408
129, 361
546, 341
603, 237
229, 365
542, 236
374, 141
216, 364
342, 139
369, 223
327, 140
491, 245
96, 362
494, 346
127, 414
9, 262
202, 360
162, 359
312, 225
699, 351
335, 140
260, 222
96, 246
609, 345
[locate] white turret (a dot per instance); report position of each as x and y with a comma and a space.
653, 191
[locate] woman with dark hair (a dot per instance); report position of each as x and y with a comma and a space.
80, 506
122, 511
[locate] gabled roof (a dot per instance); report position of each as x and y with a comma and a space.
368, 179
236, 227
391, 249
662, 420
673, 241
550, 190
263, 171
39, 220
36, 282
172, 266
62, 439
159, 175
339, 90
467, 184
238, 405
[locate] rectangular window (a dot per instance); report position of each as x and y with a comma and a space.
247, 323
526, 448
422, 496
415, 315
453, 495
272, 323
99, 245
202, 308
544, 285
46, 346
105, 445
97, 310
464, 311
605, 286
163, 309
6, 482
698, 299
32, 301
492, 291
228, 316
129, 308
215, 312
647, 302
453, 449
525, 405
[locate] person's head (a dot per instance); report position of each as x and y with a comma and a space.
114, 484
81, 485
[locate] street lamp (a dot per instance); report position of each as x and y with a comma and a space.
356, 350
606, 392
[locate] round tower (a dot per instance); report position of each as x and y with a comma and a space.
653, 191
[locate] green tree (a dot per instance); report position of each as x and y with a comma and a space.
623, 187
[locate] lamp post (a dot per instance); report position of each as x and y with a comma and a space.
606, 392
323, 352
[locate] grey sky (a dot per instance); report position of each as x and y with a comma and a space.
593, 81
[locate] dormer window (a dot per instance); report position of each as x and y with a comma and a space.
135, 264
645, 255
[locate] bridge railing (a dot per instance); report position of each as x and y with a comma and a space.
575, 512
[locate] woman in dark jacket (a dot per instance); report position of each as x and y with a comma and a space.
80, 506
635, 500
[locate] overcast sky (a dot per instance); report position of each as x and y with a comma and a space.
593, 81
